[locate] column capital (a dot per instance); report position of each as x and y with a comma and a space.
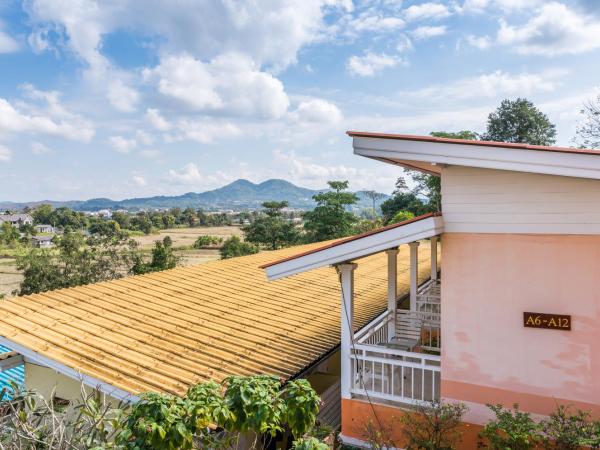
345, 267
392, 251
414, 243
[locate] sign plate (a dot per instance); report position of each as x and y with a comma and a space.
549, 321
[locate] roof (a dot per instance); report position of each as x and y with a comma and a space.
357, 246
429, 154
14, 217
165, 331
42, 238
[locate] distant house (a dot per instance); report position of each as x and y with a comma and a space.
16, 220
42, 241
44, 228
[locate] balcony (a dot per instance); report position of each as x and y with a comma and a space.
397, 357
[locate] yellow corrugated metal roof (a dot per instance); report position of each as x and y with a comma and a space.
167, 330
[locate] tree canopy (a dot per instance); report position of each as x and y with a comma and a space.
271, 229
519, 121
588, 131
330, 219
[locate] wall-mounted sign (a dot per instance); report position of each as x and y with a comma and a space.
550, 321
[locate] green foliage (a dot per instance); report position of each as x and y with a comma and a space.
521, 122
163, 258
366, 225
330, 218
76, 261
234, 247
9, 235
565, 431
511, 429
105, 228
207, 241
402, 201
271, 229
301, 406
309, 443
433, 426
402, 216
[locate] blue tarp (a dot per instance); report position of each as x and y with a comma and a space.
16, 374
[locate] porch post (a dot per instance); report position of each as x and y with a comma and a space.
346, 272
414, 273
434, 265
392, 292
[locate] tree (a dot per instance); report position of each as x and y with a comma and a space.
588, 132
330, 218
402, 216
374, 196
402, 201
271, 229
76, 261
42, 214
234, 247
8, 234
519, 121
163, 258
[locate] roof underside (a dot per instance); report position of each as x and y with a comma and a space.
168, 330
430, 154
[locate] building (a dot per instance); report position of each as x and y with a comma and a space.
168, 330
43, 228
513, 315
16, 220
42, 241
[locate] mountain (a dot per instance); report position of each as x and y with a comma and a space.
241, 194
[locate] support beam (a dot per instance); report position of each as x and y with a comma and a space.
392, 292
434, 251
346, 272
414, 274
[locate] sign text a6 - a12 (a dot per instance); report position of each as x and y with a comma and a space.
548, 321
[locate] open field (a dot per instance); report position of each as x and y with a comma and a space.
183, 239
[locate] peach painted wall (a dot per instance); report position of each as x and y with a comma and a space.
488, 281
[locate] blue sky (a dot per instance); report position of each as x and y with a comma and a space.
124, 98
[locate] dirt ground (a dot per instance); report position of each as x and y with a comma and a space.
183, 239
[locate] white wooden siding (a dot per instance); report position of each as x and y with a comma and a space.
497, 201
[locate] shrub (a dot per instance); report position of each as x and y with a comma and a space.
511, 429
565, 431
402, 216
310, 443
234, 247
433, 425
207, 241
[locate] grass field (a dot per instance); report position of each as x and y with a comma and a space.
183, 239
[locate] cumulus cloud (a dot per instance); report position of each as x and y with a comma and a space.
370, 21
37, 148
5, 153
370, 64
7, 43
479, 42
230, 84
316, 111
188, 174
554, 30
139, 180
157, 120
431, 11
205, 131
122, 97
427, 32
491, 85
121, 144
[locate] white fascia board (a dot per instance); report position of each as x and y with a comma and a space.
358, 248
483, 156
35, 357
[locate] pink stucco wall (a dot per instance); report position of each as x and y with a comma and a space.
488, 281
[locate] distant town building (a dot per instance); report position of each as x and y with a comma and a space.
42, 241
16, 220
44, 228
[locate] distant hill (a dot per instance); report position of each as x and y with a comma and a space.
239, 195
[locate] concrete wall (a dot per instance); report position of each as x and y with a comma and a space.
488, 281
500, 201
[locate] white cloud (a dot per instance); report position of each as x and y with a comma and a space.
511, 5
139, 180
37, 148
52, 120
368, 21
189, 174
38, 40
427, 32
428, 10
205, 131
156, 120
7, 43
474, 5
122, 97
490, 85
5, 153
150, 153
121, 144
143, 138
479, 42
230, 84
554, 30
316, 111
370, 64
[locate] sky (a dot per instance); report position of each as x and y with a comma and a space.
131, 98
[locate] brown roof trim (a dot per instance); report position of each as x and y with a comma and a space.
410, 137
352, 238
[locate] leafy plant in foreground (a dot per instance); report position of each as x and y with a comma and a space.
511, 429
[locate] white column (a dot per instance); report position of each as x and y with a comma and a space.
414, 273
392, 292
434, 265
346, 272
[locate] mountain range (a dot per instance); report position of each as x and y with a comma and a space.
239, 195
